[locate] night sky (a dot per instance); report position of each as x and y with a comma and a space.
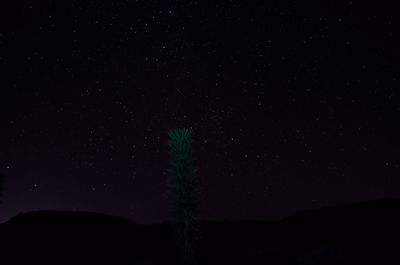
293, 105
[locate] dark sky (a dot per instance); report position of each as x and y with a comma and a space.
293, 104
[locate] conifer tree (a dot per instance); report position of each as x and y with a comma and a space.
184, 193
1, 186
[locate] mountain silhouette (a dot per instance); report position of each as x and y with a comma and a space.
62, 237
374, 218
359, 233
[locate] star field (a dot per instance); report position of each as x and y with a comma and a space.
292, 105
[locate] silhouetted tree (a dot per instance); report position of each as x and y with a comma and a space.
184, 192
1, 186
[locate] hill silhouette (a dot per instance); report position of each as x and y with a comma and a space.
374, 218
61, 237
361, 233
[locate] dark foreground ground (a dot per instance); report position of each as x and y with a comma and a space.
365, 233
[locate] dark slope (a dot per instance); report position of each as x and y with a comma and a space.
359, 232
370, 219
62, 237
